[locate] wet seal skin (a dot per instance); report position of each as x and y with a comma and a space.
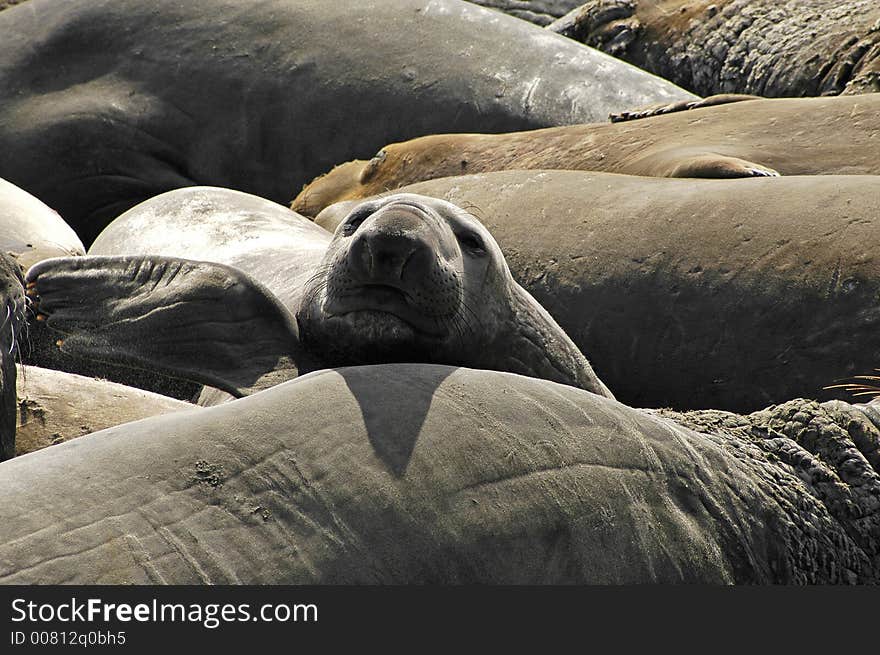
404, 278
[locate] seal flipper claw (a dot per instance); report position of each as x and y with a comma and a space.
180, 317
764, 172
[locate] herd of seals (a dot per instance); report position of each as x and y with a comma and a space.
418, 291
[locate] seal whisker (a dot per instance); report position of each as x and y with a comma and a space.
471, 208
478, 324
316, 284
455, 322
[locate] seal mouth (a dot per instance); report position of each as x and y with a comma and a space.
381, 299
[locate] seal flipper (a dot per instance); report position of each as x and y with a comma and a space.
712, 165
681, 105
201, 321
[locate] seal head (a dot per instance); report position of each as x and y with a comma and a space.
409, 278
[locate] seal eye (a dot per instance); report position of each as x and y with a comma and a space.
472, 242
354, 220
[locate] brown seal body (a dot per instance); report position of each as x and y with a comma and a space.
803, 136
54, 407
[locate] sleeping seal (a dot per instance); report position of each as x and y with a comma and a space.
715, 138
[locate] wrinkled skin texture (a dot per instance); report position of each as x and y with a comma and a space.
29, 233
774, 48
402, 478
116, 101
732, 294
272, 244
12, 309
804, 136
834, 451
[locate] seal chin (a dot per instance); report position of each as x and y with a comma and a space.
380, 304
376, 326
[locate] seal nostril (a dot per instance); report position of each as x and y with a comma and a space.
360, 258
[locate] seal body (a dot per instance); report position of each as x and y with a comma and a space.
751, 138
775, 48
111, 102
30, 231
540, 12
54, 407
732, 294
269, 242
401, 474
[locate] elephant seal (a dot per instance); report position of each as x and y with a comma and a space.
734, 139
765, 47
110, 102
413, 473
405, 278
732, 294
30, 231
12, 318
54, 407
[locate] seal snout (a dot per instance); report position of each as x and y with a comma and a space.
393, 247
394, 263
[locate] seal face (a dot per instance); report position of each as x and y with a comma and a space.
405, 278
408, 278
